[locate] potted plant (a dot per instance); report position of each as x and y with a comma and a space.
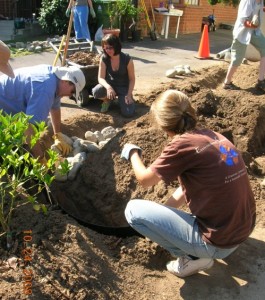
123, 13
137, 25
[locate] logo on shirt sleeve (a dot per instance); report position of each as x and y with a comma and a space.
228, 155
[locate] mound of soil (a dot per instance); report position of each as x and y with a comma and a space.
85, 58
71, 261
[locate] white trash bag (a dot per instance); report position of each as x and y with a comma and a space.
99, 34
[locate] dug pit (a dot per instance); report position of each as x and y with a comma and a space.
105, 182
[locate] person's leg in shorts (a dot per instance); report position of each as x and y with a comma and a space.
258, 41
238, 51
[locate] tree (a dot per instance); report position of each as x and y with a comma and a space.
52, 16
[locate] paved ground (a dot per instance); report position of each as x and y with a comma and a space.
153, 58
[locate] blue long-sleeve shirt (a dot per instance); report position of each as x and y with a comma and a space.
32, 91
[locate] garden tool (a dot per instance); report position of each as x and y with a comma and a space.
68, 34
59, 51
154, 22
152, 33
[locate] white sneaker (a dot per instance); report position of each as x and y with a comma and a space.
185, 266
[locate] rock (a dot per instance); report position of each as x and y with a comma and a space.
102, 144
90, 136
261, 163
180, 70
171, 73
187, 69
108, 132
38, 48
99, 136
76, 165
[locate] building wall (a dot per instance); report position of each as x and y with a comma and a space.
191, 20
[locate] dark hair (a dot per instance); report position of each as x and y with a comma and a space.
112, 40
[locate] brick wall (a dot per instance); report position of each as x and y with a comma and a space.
191, 20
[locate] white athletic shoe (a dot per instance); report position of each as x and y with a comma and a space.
185, 266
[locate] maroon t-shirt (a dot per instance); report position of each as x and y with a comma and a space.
214, 179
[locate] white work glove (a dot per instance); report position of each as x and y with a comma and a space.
256, 12
125, 153
255, 20
62, 144
92, 12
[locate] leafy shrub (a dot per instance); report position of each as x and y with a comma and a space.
22, 177
52, 16
233, 3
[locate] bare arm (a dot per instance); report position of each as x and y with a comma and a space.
177, 199
145, 176
90, 4
70, 4
101, 79
131, 76
56, 120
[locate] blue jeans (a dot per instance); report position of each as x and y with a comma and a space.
80, 22
127, 110
173, 229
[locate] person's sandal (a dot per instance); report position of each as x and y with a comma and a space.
105, 107
230, 86
261, 85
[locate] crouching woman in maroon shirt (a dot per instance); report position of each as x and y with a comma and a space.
213, 182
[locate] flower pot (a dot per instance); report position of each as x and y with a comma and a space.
136, 35
111, 31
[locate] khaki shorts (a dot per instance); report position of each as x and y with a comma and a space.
238, 50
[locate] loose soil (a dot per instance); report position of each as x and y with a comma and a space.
73, 261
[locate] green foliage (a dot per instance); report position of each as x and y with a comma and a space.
124, 11
22, 177
233, 3
52, 16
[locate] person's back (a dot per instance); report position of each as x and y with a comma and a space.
30, 88
213, 174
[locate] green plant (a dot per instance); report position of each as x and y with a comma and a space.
22, 177
234, 3
124, 11
52, 16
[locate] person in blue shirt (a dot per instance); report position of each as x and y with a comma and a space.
37, 91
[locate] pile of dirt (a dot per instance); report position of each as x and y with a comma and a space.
85, 58
71, 261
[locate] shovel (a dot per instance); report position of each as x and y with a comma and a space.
68, 35
152, 33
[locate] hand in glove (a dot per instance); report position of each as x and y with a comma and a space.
125, 154
92, 12
61, 144
68, 12
255, 20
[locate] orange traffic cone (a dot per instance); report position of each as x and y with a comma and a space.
204, 49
